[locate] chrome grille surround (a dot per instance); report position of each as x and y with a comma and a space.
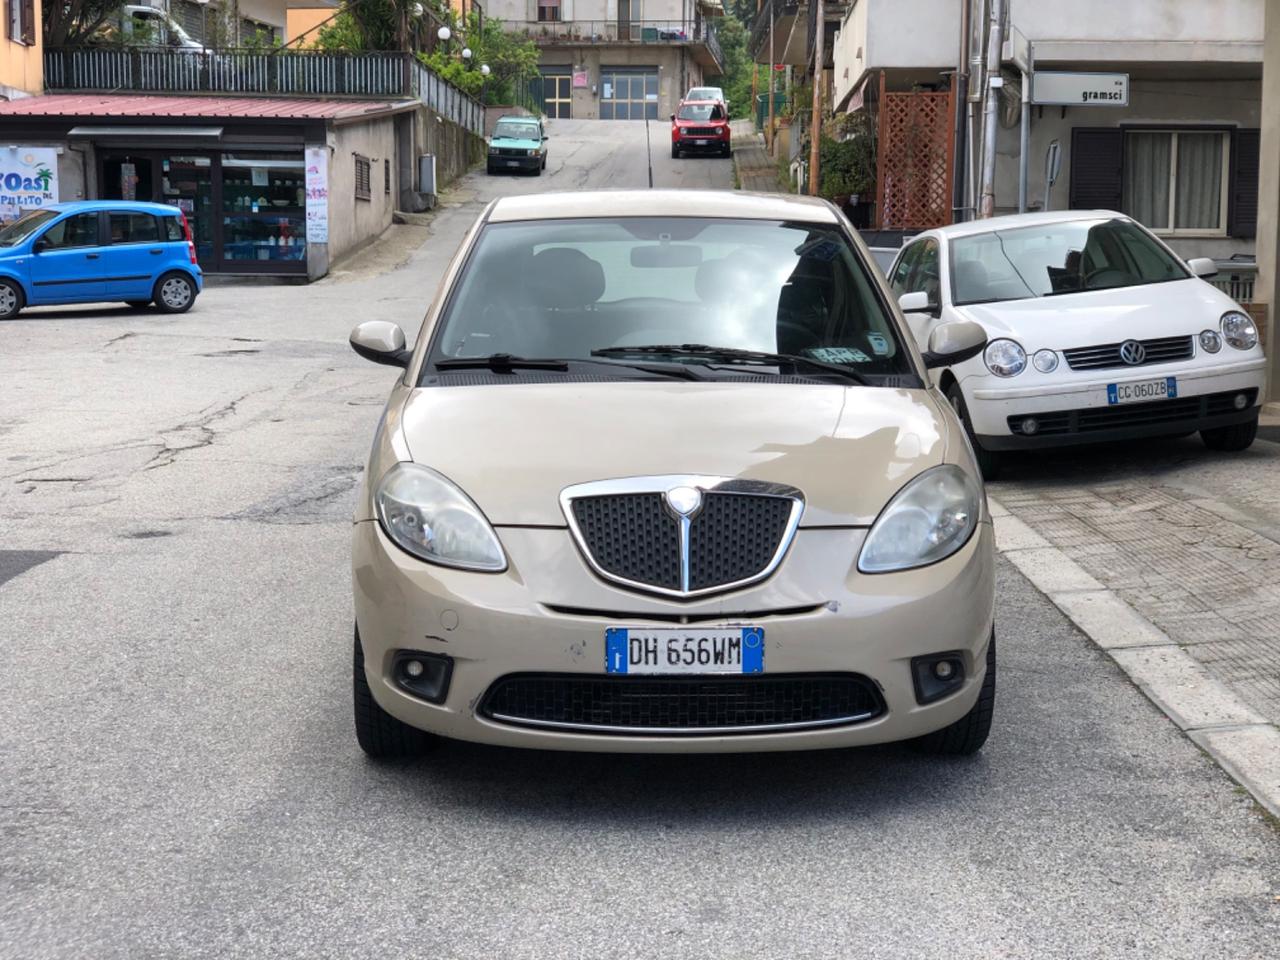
783, 503
1108, 355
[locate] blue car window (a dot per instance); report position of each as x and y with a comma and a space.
134, 228
80, 230
173, 229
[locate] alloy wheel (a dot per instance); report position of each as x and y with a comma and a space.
175, 292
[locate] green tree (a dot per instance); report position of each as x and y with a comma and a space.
71, 22
738, 66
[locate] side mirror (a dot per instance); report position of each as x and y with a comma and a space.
545, 138
1203, 267
381, 342
40, 245
954, 343
673, 118
917, 302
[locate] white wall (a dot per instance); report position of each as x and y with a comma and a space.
1201, 21
895, 33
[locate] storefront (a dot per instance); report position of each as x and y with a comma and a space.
269, 186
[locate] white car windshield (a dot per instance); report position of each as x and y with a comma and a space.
516, 130
565, 288
1057, 258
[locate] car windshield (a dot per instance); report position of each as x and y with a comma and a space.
14, 233
701, 111
516, 130
704, 93
565, 288
1057, 258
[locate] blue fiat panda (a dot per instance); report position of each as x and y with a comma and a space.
99, 250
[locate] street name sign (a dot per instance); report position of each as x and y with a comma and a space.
1051, 88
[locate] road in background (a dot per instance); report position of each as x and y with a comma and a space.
179, 776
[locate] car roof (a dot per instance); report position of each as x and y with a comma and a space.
699, 103
517, 116
727, 204
1015, 220
91, 206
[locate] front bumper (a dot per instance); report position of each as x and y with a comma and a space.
547, 614
1076, 411
496, 162
695, 144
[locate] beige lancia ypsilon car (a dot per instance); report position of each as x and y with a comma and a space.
664, 472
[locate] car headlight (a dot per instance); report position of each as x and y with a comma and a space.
493, 149
432, 519
1046, 361
533, 153
1005, 358
929, 519
1210, 342
1238, 330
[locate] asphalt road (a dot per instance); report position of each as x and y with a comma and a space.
179, 778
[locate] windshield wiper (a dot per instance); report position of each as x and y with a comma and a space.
500, 362
701, 351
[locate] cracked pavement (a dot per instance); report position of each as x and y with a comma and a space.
179, 777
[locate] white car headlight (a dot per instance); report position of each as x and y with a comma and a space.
929, 519
1046, 361
1238, 330
1005, 358
533, 153
432, 519
493, 149
1210, 341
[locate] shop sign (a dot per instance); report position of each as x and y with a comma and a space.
580, 78
28, 179
317, 186
1080, 89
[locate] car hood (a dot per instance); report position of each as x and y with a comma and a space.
513, 448
517, 142
1104, 316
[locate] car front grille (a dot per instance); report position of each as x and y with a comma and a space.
700, 131
682, 705
1093, 419
734, 538
1159, 350
512, 152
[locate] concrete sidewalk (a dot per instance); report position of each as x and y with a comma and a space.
755, 170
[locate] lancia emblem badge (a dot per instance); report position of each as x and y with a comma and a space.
1132, 352
684, 500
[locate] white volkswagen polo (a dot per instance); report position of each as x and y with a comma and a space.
1096, 331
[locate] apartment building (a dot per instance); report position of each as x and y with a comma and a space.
21, 67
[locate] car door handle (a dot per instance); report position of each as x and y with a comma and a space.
156, 252
91, 256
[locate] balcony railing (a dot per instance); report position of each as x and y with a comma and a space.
620, 30
289, 73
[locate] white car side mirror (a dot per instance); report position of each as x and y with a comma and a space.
916, 302
1203, 267
955, 342
381, 342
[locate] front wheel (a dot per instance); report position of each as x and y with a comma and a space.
175, 292
967, 735
726, 151
1238, 436
379, 734
675, 153
989, 461
11, 299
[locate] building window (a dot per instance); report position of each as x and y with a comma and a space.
1175, 181
363, 178
22, 21
386, 177
548, 11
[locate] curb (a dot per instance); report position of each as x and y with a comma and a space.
1240, 740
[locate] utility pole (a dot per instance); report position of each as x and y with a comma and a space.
815, 126
987, 205
772, 56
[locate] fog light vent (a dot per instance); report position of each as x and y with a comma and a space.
1241, 401
937, 675
424, 675
1030, 425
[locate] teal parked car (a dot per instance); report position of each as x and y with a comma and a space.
518, 143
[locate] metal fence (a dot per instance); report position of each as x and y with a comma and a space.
1235, 278
621, 30
290, 73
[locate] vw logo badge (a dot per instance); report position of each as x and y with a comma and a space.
684, 500
1132, 352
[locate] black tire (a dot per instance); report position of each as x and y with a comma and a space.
675, 153
727, 151
379, 734
544, 161
989, 461
1238, 436
488, 168
966, 736
138, 304
166, 292
12, 300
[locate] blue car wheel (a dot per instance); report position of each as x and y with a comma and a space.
11, 299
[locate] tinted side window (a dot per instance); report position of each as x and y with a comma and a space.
134, 228
173, 228
902, 271
924, 275
78, 231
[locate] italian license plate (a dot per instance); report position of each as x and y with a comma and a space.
1166, 388
513, 163
699, 143
684, 651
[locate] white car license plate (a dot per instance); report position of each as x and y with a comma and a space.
699, 143
684, 650
1166, 388
513, 163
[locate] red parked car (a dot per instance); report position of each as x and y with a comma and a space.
700, 125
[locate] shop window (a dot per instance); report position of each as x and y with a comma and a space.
548, 11
364, 189
134, 228
264, 209
386, 177
22, 21
1175, 182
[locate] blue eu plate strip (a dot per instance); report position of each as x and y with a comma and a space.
615, 650
753, 650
